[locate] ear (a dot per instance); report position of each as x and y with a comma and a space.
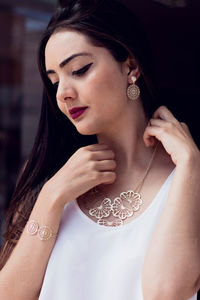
132, 69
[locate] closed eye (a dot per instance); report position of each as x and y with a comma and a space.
82, 71
79, 72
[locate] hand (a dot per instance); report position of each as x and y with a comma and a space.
88, 167
174, 136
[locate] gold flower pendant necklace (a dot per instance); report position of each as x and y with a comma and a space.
121, 207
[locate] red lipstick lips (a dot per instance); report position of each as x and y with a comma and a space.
76, 112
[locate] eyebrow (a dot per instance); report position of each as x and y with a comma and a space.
67, 60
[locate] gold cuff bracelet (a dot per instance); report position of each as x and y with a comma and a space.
44, 232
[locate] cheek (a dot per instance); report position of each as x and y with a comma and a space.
107, 82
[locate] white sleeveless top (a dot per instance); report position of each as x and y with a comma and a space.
94, 262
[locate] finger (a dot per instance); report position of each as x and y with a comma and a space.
150, 140
151, 134
101, 155
165, 114
106, 165
108, 177
170, 126
96, 147
157, 122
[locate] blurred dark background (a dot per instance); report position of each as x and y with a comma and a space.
173, 30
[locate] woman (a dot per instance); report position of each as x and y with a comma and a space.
107, 206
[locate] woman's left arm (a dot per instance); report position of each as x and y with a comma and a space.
171, 268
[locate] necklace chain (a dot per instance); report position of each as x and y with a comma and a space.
140, 184
121, 207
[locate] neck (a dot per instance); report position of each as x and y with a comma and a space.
125, 138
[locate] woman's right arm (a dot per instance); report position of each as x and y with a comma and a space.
22, 276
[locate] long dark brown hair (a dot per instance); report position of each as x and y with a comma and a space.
109, 24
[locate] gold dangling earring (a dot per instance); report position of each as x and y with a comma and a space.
133, 91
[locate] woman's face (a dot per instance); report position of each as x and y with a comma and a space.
91, 85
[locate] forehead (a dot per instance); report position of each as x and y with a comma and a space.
66, 43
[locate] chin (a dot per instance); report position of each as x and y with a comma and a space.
89, 130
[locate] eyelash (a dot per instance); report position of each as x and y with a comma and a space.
78, 73
82, 71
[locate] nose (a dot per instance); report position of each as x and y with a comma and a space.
65, 92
